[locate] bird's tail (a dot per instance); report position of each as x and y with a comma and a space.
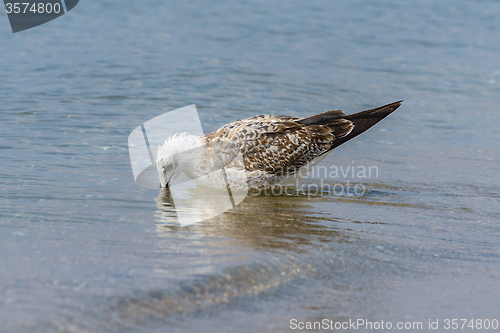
366, 119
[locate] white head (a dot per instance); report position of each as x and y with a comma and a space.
176, 154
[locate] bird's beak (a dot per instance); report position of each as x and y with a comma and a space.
168, 182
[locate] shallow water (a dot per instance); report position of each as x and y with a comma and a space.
85, 249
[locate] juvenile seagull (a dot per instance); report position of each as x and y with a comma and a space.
264, 150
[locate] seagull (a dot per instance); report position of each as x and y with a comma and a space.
262, 151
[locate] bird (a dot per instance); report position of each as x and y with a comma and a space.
261, 151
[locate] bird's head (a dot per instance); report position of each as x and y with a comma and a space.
175, 155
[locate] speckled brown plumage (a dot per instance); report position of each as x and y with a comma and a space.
281, 145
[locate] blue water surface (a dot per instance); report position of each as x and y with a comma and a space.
85, 249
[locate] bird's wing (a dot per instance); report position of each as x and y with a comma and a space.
280, 144
283, 144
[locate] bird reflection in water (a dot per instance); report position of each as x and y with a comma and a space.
262, 222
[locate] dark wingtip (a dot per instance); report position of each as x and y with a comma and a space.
366, 119
380, 112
